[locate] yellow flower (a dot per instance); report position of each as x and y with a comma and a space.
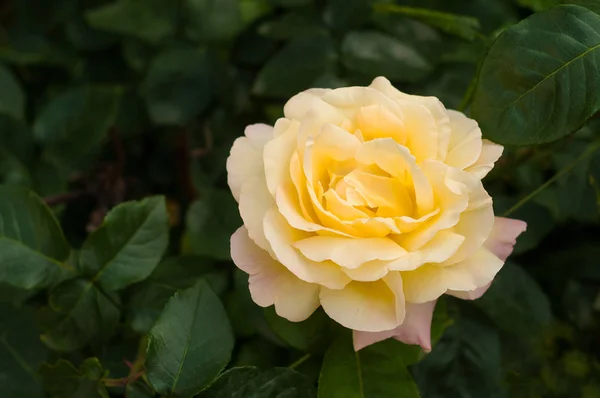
368, 202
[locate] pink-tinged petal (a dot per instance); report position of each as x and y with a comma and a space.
470, 295
365, 339
416, 329
504, 236
271, 283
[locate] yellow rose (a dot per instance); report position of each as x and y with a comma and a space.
368, 202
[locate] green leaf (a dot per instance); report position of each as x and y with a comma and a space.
128, 245
538, 5
75, 123
458, 25
537, 83
296, 66
63, 380
150, 20
148, 299
12, 98
178, 86
593, 5
377, 371
190, 344
208, 20
251, 382
376, 54
21, 354
464, 364
78, 313
33, 249
313, 334
516, 303
139, 389
210, 222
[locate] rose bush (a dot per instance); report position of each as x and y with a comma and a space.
368, 202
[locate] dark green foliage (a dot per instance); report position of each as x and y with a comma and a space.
116, 118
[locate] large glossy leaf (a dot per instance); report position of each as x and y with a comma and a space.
190, 344
516, 303
150, 20
12, 98
21, 354
128, 245
376, 54
250, 382
464, 364
178, 86
63, 380
296, 66
76, 122
33, 250
78, 313
593, 5
538, 81
377, 371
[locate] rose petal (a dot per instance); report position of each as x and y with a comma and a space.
465, 141
504, 236
245, 160
282, 238
470, 295
490, 153
367, 306
429, 282
271, 283
416, 329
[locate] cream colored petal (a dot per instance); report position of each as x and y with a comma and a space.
465, 141
299, 105
387, 194
287, 203
451, 198
471, 294
255, 201
349, 252
429, 282
439, 249
370, 271
416, 329
271, 283
490, 153
397, 161
277, 155
259, 134
282, 237
434, 143
476, 222
504, 236
375, 121
367, 306
338, 206
245, 160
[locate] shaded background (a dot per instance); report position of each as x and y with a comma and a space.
107, 101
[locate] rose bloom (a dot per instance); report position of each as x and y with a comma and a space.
368, 202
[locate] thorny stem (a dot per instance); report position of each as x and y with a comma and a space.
554, 178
